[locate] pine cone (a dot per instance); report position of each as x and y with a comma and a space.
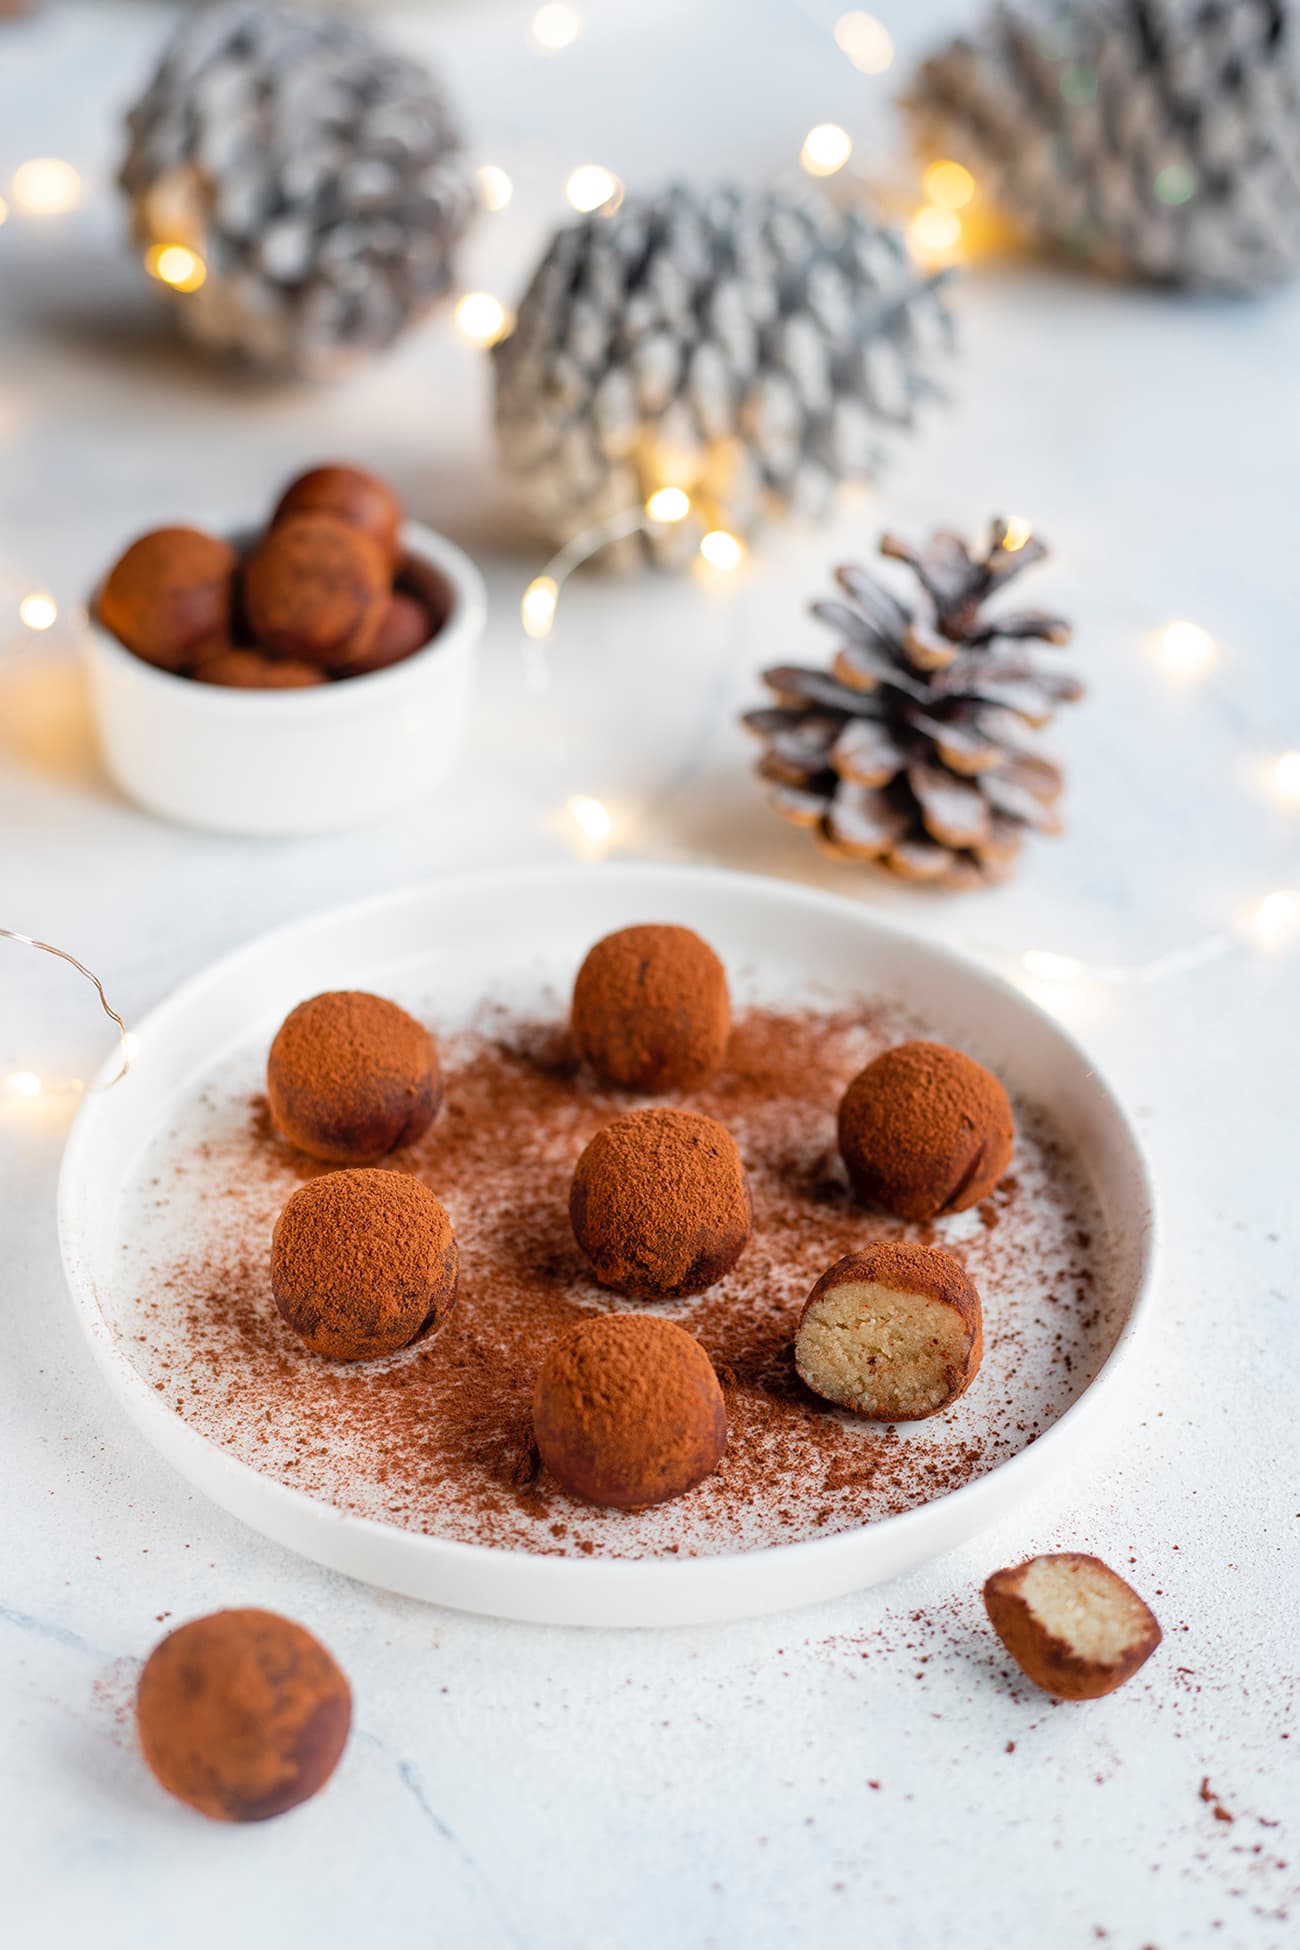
1156, 139
750, 348
906, 752
316, 175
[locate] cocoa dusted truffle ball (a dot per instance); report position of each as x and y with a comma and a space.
1071, 1624
363, 1263
316, 589
925, 1130
894, 1333
248, 670
349, 494
628, 1411
352, 1077
651, 1010
660, 1203
243, 1715
406, 628
172, 588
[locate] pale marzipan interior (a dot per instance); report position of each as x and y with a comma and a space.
881, 1351
1084, 1605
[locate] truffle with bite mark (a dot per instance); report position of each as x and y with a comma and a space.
317, 589
628, 1411
660, 1203
242, 1714
651, 1010
893, 1332
352, 1077
924, 1130
363, 1263
1071, 1624
172, 588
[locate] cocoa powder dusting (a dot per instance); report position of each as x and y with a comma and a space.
438, 1437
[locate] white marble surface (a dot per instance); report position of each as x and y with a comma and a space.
870, 1770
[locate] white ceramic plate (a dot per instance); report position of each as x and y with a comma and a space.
520, 932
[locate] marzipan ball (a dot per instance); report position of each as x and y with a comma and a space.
316, 589
660, 1203
171, 588
894, 1332
1071, 1624
651, 1010
352, 1077
925, 1130
628, 1411
351, 495
243, 1715
249, 670
363, 1263
406, 628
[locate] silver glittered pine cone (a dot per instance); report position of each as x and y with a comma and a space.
317, 177
755, 349
1153, 139
909, 752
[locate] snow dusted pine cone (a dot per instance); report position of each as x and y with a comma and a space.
908, 752
316, 176
1155, 139
755, 349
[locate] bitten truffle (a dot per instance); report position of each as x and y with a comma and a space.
1071, 1625
363, 1263
894, 1333
316, 589
651, 1010
352, 1077
628, 1411
660, 1203
172, 588
349, 494
243, 1715
925, 1130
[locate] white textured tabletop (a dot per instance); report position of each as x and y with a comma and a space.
871, 1770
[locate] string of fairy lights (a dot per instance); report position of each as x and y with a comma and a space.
946, 225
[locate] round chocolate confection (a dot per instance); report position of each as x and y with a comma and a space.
925, 1130
237, 669
894, 1332
171, 589
351, 495
406, 628
243, 1715
628, 1411
363, 1263
317, 589
352, 1077
651, 1010
660, 1203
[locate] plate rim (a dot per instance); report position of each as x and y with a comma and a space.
694, 1580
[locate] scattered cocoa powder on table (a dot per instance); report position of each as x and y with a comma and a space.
438, 1438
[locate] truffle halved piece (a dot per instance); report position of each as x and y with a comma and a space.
363, 1263
243, 1714
317, 589
351, 1077
925, 1130
171, 588
350, 494
660, 1203
628, 1411
894, 1333
651, 1009
1071, 1624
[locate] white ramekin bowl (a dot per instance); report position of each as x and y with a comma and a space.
296, 761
